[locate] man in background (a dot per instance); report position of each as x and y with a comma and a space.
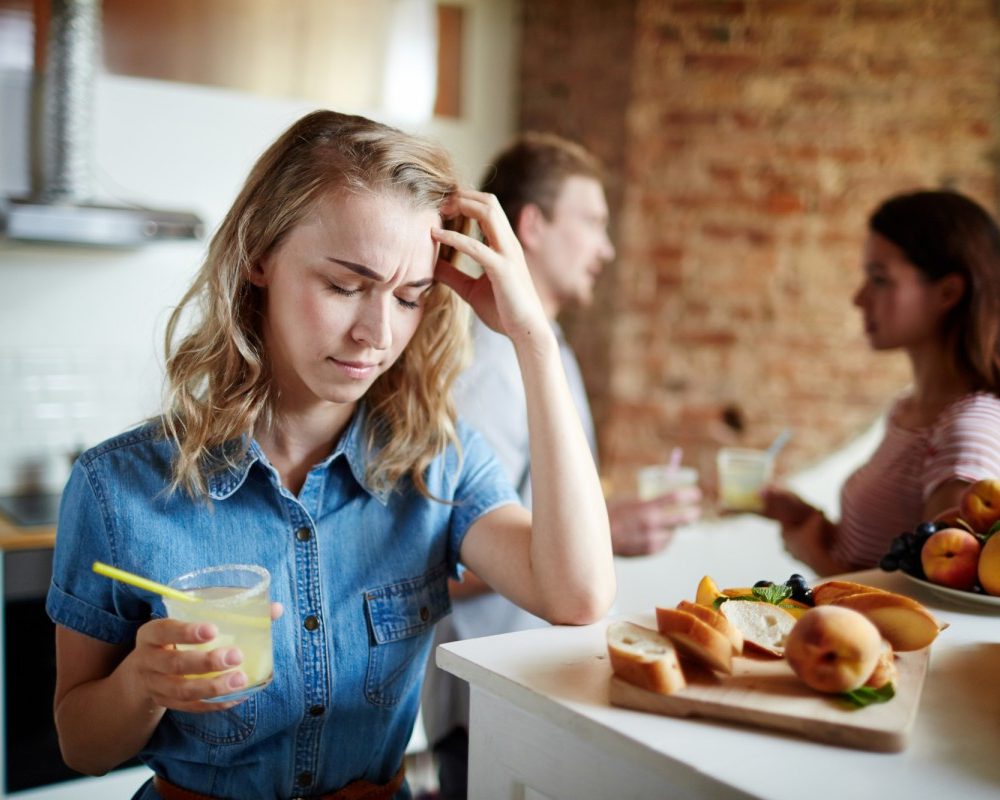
552, 192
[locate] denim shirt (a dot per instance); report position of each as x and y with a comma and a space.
370, 568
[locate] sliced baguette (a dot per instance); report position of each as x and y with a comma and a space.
696, 640
765, 626
901, 620
716, 620
830, 591
643, 657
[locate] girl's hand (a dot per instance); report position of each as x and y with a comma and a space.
785, 507
504, 297
160, 668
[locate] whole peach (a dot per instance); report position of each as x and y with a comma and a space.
989, 565
950, 558
980, 504
833, 649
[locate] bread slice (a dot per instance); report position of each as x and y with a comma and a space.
644, 658
829, 591
765, 626
716, 620
695, 639
904, 622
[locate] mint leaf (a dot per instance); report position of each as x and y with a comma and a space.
865, 695
773, 594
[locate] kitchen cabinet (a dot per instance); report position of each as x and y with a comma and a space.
27, 737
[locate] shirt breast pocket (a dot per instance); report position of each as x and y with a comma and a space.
401, 617
229, 726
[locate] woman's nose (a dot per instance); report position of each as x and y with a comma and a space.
372, 326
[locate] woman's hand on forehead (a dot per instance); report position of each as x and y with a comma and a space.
504, 296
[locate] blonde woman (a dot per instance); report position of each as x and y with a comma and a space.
310, 430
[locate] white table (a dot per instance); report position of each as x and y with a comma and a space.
542, 727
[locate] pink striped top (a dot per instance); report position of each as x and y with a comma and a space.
886, 496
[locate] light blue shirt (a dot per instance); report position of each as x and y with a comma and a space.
370, 567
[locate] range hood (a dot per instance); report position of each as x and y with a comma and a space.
61, 208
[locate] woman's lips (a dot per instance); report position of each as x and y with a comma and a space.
355, 369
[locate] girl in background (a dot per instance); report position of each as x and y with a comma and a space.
931, 288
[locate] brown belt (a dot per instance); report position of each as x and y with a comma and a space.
355, 790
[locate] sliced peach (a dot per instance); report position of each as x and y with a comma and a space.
905, 623
829, 591
708, 592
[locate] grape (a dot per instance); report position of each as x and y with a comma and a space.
925, 529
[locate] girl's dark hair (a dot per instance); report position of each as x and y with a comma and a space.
944, 233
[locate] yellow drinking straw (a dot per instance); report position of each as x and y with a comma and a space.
143, 583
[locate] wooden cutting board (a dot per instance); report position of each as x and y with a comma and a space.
767, 694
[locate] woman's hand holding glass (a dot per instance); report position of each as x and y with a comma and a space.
183, 679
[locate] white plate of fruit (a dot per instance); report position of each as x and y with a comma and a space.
957, 555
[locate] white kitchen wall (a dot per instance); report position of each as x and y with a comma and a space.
81, 330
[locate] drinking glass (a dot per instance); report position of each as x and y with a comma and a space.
659, 479
236, 599
742, 475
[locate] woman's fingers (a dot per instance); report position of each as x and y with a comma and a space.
167, 669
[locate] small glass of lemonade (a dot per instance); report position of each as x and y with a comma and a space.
742, 475
236, 599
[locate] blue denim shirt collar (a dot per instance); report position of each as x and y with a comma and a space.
224, 482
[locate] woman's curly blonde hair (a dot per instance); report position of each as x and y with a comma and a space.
218, 376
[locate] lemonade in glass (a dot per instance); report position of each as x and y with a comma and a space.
236, 599
743, 473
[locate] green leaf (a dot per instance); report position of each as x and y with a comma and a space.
865, 695
773, 594
993, 529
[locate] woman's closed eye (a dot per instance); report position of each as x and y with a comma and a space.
344, 291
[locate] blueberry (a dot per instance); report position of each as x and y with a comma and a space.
795, 580
889, 562
897, 548
762, 584
940, 525
925, 529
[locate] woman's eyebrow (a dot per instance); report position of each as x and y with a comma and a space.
368, 272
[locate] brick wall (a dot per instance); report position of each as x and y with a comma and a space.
748, 141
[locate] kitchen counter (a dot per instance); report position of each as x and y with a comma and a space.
542, 724
17, 537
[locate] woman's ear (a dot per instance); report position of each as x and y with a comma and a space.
951, 290
259, 273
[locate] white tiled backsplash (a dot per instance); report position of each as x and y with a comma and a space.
57, 402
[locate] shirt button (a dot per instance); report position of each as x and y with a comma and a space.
303, 534
316, 711
424, 613
304, 778
311, 623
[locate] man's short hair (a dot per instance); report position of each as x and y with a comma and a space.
532, 169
